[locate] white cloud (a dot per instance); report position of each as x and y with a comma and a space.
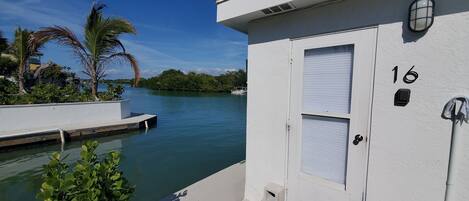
207, 55
29, 10
148, 55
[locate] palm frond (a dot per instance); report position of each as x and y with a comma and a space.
95, 16
110, 31
102, 38
126, 57
63, 36
116, 26
101, 45
22, 48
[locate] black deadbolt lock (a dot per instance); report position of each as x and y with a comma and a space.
358, 139
402, 97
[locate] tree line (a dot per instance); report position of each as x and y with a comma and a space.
176, 80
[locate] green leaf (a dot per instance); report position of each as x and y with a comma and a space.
90, 179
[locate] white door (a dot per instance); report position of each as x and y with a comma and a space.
331, 84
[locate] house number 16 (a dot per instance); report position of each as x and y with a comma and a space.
409, 78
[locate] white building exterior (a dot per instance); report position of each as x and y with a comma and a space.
324, 72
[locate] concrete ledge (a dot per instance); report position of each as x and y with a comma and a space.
60, 104
226, 185
34, 116
75, 131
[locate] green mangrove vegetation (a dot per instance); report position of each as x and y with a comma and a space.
55, 84
176, 80
50, 93
90, 179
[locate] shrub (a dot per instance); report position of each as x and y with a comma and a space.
91, 179
52, 93
6, 89
113, 93
55, 74
8, 67
45, 93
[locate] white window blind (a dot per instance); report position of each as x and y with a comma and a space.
327, 83
324, 147
327, 79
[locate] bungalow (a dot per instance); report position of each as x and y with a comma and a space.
346, 97
35, 62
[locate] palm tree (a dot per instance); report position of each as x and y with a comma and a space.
23, 50
101, 45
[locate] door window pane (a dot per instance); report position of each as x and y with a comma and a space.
324, 147
327, 79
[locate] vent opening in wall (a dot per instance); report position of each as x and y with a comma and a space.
286, 6
278, 9
267, 11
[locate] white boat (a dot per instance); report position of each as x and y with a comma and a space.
240, 91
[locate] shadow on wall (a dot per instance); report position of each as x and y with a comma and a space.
408, 36
348, 14
175, 197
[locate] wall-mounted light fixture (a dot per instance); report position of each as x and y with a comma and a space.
421, 15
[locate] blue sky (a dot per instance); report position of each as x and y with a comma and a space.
180, 34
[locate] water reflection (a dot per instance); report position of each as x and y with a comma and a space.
25, 164
197, 135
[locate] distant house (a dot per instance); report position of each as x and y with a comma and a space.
346, 96
34, 62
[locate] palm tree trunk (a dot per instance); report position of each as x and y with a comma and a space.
94, 88
21, 90
21, 86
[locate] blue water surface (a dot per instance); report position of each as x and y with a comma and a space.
197, 135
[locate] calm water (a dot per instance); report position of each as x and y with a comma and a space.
197, 135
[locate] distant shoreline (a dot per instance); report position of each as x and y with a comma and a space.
130, 83
176, 80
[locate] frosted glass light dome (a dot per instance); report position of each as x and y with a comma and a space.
421, 15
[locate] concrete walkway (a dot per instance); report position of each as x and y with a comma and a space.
226, 185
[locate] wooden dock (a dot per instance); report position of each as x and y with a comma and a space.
69, 132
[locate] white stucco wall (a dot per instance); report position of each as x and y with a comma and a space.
22, 117
234, 8
409, 146
267, 104
237, 13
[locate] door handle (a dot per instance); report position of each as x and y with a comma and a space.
358, 139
